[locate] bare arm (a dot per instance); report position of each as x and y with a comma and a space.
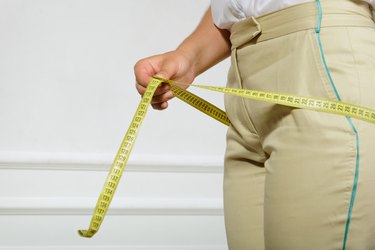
205, 47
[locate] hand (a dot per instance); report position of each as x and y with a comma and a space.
173, 65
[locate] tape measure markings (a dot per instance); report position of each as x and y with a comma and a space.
201, 104
119, 162
311, 103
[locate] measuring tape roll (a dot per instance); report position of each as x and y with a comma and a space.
114, 175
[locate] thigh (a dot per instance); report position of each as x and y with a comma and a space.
244, 174
243, 195
308, 188
354, 74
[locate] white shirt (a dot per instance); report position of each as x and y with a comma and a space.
227, 12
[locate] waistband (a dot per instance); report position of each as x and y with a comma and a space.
336, 13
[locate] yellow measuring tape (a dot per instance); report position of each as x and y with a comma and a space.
113, 178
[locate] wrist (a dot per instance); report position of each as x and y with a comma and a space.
192, 56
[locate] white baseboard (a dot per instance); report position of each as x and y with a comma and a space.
119, 206
101, 162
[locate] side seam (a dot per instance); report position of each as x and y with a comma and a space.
356, 174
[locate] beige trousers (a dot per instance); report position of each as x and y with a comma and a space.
297, 179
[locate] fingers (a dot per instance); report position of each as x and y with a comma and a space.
160, 102
144, 69
161, 97
160, 106
163, 88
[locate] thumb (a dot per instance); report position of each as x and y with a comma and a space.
168, 70
164, 74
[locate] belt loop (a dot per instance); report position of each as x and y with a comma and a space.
244, 31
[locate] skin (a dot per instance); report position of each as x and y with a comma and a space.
205, 47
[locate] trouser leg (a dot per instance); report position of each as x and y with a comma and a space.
243, 196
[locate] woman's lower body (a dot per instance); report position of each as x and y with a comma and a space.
297, 179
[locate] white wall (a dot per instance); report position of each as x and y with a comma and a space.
66, 98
